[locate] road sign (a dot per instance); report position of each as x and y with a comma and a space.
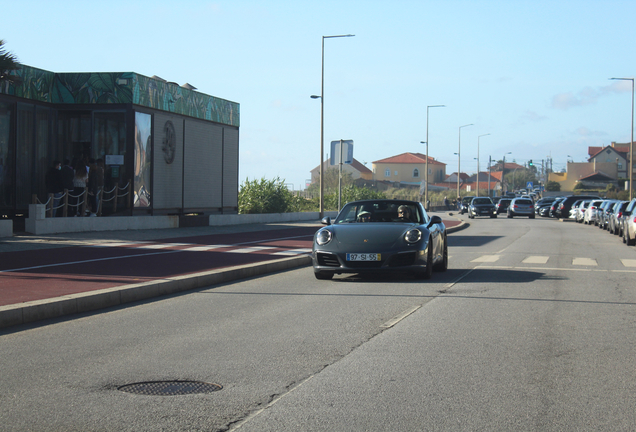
529, 185
344, 152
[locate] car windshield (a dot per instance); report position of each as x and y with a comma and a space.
381, 211
523, 201
479, 201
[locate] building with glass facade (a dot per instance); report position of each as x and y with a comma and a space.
178, 148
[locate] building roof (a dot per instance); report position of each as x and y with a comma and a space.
357, 165
409, 158
621, 149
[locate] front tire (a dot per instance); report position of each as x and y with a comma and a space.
429, 261
443, 266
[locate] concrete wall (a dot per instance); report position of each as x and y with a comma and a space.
38, 224
6, 228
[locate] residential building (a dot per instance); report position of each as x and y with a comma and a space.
356, 169
614, 153
408, 168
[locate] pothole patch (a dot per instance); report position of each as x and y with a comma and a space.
170, 388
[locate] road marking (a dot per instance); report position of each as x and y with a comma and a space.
252, 249
393, 321
535, 260
293, 252
487, 259
629, 262
162, 245
206, 248
584, 262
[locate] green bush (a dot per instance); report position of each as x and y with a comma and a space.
267, 196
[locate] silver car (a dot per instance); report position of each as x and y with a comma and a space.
521, 207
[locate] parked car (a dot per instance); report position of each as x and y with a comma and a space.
629, 223
502, 205
590, 212
543, 202
521, 207
380, 236
481, 206
565, 205
573, 209
555, 206
464, 204
602, 213
580, 211
615, 217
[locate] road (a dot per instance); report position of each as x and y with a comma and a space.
531, 328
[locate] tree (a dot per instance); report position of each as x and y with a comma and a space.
8, 63
553, 186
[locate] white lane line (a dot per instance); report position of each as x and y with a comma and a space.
535, 260
487, 259
206, 248
252, 249
584, 262
293, 252
162, 245
393, 321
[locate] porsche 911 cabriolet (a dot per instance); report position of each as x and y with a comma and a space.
380, 236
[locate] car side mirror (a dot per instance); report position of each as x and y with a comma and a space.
326, 220
435, 220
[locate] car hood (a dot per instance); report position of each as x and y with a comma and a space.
374, 235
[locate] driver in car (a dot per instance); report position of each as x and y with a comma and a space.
404, 214
364, 216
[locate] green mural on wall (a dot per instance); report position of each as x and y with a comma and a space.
120, 88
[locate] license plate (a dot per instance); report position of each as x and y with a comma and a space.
363, 257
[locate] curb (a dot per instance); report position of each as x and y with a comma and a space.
29, 312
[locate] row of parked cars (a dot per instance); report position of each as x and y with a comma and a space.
484, 206
615, 216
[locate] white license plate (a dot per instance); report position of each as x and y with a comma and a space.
363, 257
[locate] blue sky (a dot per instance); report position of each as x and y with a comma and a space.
532, 74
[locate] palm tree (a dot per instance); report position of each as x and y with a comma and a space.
8, 63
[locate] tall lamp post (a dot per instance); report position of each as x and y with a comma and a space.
426, 142
478, 163
631, 142
459, 150
503, 174
322, 122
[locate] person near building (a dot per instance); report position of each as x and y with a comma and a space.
79, 184
53, 180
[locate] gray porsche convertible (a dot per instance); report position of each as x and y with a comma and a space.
380, 236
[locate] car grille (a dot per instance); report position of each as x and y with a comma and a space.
403, 259
327, 259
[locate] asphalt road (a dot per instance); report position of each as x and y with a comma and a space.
531, 328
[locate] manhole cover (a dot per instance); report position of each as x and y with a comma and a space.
170, 388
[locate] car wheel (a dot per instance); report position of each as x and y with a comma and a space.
493, 217
443, 266
323, 275
623, 237
429, 262
629, 242
509, 216
531, 216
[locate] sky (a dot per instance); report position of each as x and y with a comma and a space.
534, 75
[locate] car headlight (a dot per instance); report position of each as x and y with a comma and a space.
323, 237
413, 236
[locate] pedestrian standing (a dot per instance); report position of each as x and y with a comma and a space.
53, 180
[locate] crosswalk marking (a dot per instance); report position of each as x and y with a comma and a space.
252, 249
162, 245
629, 262
487, 258
535, 260
206, 248
293, 252
584, 262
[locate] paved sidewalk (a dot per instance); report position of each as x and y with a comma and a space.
43, 277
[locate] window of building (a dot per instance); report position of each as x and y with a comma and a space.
143, 160
387, 173
416, 173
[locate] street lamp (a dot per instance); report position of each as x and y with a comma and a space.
478, 161
503, 174
322, 122
631, 142
459, 149
426, 142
